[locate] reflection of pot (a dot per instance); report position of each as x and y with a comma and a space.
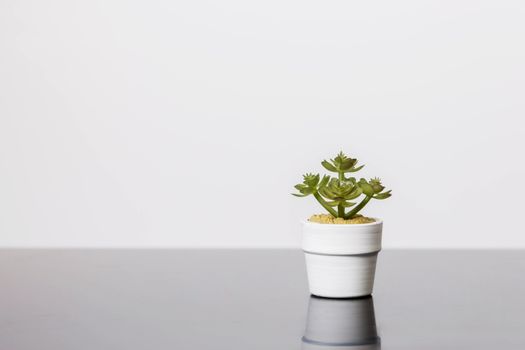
348, 324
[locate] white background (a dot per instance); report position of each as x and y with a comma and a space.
186, 123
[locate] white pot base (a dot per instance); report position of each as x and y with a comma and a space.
336, 276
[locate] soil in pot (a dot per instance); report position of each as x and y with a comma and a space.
329, 219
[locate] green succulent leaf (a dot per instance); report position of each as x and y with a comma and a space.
376, 185
347, 164
366, 187
329, 166
300, 195
324, 181
351, 180
356, 192
325, 192
300, 187
340, 157
311, 179
383, 195
354, 169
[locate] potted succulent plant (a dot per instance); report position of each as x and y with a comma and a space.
341, 247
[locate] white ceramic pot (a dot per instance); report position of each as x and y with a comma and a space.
341, 259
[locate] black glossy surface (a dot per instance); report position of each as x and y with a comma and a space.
254, 299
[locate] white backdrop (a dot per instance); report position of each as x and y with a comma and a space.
186, 123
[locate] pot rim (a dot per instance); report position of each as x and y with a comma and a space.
376, 222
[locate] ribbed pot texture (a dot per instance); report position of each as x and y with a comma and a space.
341, 259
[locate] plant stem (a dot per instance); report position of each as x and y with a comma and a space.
340, 208
340, 211
358, 207
324, 204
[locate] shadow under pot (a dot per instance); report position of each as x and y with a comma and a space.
341, 259
342, 324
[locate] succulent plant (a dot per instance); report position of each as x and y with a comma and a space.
338, 193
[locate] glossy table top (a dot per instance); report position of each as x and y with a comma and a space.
256, 299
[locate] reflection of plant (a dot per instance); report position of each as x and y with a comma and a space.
335, 193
